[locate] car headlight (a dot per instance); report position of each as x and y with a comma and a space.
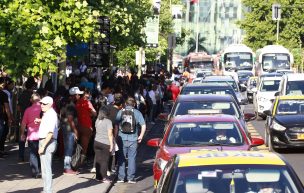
278, 127
161, 163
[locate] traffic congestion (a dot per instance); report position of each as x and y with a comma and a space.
151, 96
207, 121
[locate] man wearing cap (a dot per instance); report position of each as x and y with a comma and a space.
48, 131
69, 121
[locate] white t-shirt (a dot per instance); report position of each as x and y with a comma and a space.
49, 124
152, 96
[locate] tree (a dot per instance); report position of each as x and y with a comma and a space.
201, 47
34, 34
260, 29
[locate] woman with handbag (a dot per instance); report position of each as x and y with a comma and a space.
103, 144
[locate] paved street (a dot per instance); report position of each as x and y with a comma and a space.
15, 177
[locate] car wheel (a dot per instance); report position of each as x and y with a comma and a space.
262, 116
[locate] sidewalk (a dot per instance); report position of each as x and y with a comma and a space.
16, 177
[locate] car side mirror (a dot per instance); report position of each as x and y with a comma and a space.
155, 142
267, 112
243, 88
249, 116
257, 141
277, 93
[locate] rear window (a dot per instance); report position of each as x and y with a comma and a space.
204, 133
184, 107
206, 90
270, 85
295, 87
233, 178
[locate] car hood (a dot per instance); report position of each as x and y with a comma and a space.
177, 150
290, 120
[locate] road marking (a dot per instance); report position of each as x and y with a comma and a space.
255, 133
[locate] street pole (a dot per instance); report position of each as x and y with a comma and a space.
278, 24
197, 26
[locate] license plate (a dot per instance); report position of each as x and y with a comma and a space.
300, 136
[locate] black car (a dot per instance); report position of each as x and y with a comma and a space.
285, 123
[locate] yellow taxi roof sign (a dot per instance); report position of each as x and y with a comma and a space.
205, 157
287, 97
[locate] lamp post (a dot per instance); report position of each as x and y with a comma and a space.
197, 26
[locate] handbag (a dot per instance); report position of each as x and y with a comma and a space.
76, 160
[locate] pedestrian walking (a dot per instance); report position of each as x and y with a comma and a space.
32, 136
5, 113
48, 131
127, 125
69, 123
85, 112
103, 144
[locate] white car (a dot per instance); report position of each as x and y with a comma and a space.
292, 84
264, 94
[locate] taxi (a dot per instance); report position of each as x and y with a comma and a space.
285, 123
217, 171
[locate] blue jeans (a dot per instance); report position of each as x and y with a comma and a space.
46, 165
126, 148
34, 157
69, 143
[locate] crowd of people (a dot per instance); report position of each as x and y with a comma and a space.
108, 123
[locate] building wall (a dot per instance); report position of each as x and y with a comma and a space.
217, 23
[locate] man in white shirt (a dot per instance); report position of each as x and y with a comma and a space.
48, 131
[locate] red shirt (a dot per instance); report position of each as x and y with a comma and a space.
84, 108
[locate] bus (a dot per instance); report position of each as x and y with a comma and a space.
272, 58
199, 60
236, 57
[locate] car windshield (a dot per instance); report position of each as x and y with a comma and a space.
270, 85
187, 107
230, 82
295, 87
275, 61
207, 90
238, 60
244, 75
233, 178
204, 133
290, 107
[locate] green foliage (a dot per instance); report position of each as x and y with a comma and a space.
34, 34
201, 47
260, 29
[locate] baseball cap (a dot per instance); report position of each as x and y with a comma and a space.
75, 90
47, 100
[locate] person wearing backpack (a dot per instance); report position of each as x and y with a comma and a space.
127, 128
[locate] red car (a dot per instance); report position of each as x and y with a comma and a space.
192, 132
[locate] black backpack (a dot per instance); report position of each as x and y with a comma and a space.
128, 124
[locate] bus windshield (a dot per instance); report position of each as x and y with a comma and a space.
275, 61
206, 65
238, 60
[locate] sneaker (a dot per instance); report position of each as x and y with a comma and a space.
132, 182
70, 172
108, 173
120, 181
93, 170
106, 180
